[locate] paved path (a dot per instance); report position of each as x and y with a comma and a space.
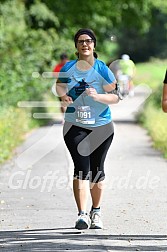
37, 206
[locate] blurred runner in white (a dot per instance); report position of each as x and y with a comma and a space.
128, 69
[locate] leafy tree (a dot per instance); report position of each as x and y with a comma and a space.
146, 43
128, 20
25, 50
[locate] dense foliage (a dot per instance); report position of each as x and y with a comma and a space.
137, 27
25, 50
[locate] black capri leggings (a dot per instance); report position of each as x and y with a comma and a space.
88, 148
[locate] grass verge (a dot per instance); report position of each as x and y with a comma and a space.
14, 123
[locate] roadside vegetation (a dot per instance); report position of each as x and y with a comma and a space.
152, 117
14, 123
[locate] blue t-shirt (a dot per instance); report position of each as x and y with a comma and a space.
84, 111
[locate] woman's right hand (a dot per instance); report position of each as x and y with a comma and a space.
66, 100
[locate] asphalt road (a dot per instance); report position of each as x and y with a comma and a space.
38, 210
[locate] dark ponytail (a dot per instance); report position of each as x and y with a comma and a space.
95, 55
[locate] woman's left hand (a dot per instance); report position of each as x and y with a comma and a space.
92, 93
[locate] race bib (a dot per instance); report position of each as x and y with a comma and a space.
85, 115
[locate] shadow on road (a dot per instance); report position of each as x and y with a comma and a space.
63, 239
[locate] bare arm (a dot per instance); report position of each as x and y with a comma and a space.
104, 98
107, 98
61, 89
109, 87
164, 98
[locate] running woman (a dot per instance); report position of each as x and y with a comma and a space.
87, 87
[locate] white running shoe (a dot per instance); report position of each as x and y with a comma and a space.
82, 222
96, 222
